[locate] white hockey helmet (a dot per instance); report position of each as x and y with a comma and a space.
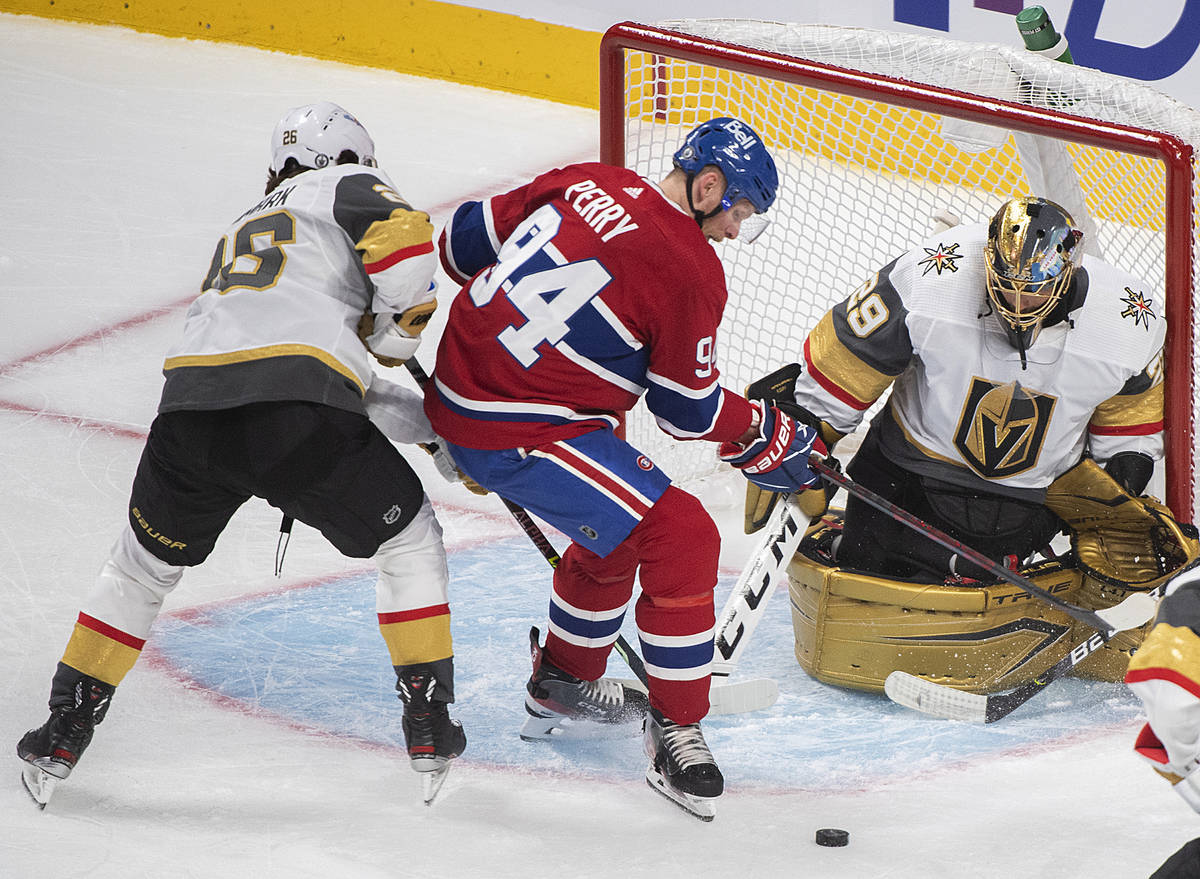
316, 134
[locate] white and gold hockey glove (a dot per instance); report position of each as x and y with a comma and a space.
449, 470
393, 338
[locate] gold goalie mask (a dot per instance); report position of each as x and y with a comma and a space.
1030, 260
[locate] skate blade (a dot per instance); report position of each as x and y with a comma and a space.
704, 808
38, 783
431, 782
558, 728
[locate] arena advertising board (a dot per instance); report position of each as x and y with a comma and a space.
1157, 41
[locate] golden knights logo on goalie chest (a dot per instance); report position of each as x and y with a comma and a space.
1002, 427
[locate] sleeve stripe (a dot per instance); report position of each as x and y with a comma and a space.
1148, 429
1158, 673
398, 256
836, 390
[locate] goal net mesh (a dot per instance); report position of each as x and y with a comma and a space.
865, 178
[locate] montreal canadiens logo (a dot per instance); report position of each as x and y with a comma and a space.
645, 463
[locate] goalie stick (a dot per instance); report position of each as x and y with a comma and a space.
727, 698
1135, 610
942, 700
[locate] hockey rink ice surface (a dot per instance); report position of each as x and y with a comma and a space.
259, 736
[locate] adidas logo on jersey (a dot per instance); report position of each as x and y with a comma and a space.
632, 191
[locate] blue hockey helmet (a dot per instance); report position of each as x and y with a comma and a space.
735, 148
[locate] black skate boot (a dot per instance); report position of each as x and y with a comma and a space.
77, 703
682, 767
432, 738
559, 703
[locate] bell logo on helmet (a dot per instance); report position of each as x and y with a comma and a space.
738, 152
744, 138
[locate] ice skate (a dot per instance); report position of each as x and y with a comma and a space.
561, 705
51, 751
682, 768
431, 737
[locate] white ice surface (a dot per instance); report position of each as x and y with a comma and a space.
123, 156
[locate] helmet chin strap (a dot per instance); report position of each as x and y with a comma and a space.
698, 215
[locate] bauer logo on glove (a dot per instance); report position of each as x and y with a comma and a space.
777, 459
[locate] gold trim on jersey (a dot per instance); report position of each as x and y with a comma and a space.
403, 229
265, 353
421, 640
1130, 410
98, 655
841, 366
1172, 647
927, 452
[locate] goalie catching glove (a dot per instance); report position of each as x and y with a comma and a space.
777, 459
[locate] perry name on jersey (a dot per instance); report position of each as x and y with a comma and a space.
963, 406
583, 290
278, 315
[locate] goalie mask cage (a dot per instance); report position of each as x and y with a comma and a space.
870, 151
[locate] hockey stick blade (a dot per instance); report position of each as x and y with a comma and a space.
945, 701
1133, 611
732, 697
742, 697
937, 700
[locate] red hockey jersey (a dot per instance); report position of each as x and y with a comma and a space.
583, 290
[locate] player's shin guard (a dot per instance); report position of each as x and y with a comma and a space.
411, 593
678, 546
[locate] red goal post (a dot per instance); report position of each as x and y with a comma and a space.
875, 134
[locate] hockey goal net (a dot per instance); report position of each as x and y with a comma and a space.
876, 135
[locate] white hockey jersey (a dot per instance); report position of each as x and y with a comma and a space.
964, 408
287, 285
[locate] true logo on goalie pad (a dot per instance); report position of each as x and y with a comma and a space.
1002, 427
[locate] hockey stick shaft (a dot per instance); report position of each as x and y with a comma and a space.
901, 515
748, 600
944, 701
535, 534
539, 539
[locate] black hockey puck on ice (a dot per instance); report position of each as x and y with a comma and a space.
832, 837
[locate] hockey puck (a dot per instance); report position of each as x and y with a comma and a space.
833, 837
